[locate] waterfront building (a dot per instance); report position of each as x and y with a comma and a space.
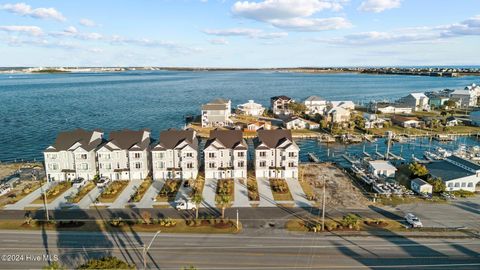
276, 154
338, 115
468, 97
416, 101
175, 156
225, 155
381, 168
259, 125
345, 104
421, 187
73, 155
251, 108
373, 121
406, 121
126, 155
315, 105
388, 108
437, 101
457, 173
300, 123
475, 118
279, 105
216, 113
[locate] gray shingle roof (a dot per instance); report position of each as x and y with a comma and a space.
446, 170
126, 139
272, 138
171, 138
67, 139
229, 138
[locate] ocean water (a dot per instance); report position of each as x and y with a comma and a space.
35, 107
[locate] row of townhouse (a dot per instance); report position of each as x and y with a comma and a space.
130, 155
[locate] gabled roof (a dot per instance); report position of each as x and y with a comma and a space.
420, 182
232, 139
88, 140
170, 139
280, 97
418, 95
314, 98
211, 106
273, 138
404, 118
461, 92
126, 139
219, 101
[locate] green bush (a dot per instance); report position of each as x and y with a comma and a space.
351, 221
117, 222
106, 263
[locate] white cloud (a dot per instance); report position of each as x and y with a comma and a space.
39, 13
379, 5
28, 30
88, 23
246, 32
433, 34
293, 15
218, 41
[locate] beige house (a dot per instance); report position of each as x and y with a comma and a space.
216, 113
315, 105
338, 115
73, 155
251, 108
276, 154
175, 156
279, 105
416, 101
225, 155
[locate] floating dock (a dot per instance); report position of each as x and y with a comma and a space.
312, 157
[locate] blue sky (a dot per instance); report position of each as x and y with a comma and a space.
247, 33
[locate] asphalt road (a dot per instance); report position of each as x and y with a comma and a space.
262, 249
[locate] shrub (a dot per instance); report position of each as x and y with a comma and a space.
106, 263
117, 222
351, 221
146, 216
53, 266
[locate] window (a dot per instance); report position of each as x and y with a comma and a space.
457, 184
291, 164
138, 165
159, 155
137, 155
190, 165
211, 155
241, 164
189, 155
263, 164
263, 154
160, 165
464, 184
83, 156
83, 166
450, 184
52, 156
53, 166
291, 154
241, 154
211, 165
470, 184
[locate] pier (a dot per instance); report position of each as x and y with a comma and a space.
312, 157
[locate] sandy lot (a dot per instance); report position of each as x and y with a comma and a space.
8, 169
341, 193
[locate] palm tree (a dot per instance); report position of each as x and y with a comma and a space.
223, 201
197, 200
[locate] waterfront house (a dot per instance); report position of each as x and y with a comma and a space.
389, 108
300, 123
436, 101
216, 113
175, 156
467, 98
276, 154
315, 105
126, 155
279, 105
338, 115
475, 118
381, 168
452, 121
259, 125
345, 104
421, 187
373, 121
406, 121
457, 173
416, 101
73, 155
251, 108
225, 155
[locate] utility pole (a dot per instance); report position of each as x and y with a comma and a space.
44, 201
237, 219
145, 250
323, 205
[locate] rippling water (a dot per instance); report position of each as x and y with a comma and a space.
34, 107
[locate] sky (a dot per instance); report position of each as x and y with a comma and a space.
246, 33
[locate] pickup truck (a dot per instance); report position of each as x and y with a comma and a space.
181, 205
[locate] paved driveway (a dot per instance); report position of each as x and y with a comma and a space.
20, 205
297, 193
152, 192
208, 194
89, 199
265, 192
126, 194
183, 193
62, 199
241, 193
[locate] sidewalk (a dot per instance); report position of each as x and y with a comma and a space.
265, 193
297, 193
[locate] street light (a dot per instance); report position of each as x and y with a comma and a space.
145, 250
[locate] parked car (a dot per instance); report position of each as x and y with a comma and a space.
79, 182
103, 182
186, 184
181, 205
4, 189
413, 220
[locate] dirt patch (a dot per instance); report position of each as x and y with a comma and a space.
341, 192
7, 169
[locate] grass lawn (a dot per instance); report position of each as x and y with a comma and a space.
397, 130
83, 192
16, 195
111, 193
54, 192
103, 226
141, 190
305, 132
169, 191
280, 190
252, 187
396, 200
225, 187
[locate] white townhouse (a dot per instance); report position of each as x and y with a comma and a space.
416, 101
276, 154
125, 156
457, 173
315, 105
175, 156
72, 155
216, 113
225, 155
251, 108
